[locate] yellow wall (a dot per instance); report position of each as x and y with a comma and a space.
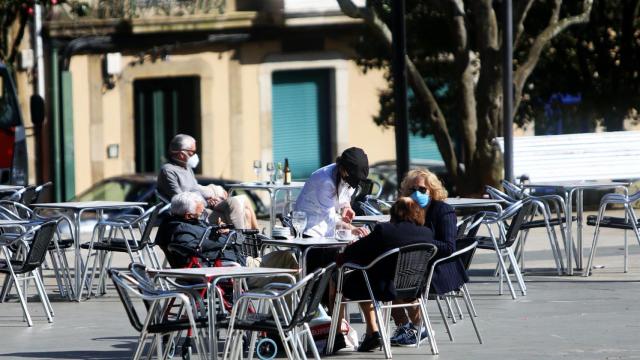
235, 115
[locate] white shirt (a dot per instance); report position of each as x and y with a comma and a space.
321, 200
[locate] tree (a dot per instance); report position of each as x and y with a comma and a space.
14, 17
598, 64
455, 72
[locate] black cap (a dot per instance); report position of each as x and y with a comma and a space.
356, 163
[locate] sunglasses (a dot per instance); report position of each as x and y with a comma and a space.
421, 189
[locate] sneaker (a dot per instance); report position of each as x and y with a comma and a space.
370, 342
399, 333
410, 335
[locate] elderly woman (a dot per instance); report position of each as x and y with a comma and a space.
426, 189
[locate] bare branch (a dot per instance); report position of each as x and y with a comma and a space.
422, 92
520, 15
554, 28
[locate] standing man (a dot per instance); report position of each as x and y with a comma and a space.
177, 176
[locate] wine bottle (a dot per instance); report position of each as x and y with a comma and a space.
287, 172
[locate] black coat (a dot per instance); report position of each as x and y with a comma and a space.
187, 233
384, 237
441, 219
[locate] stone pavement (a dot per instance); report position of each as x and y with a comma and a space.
560, 318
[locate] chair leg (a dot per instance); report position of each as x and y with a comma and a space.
594, 244
427, 325
44, 299
467, 301
503, 266
382, 328
444, 319
466, 290
450, 312
516, 271
23, 300
335, 315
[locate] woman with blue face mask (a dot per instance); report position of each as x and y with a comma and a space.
427, 190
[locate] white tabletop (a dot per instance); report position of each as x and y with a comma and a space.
578, 184
267, 186
80, 205
10, 187
306, 242
226, 271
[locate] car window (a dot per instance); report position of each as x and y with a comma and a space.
108, 191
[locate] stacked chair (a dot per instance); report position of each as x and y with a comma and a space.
23, 256
119, 236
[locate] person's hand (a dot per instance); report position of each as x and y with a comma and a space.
214, 200
222, 231
348, 214
360, 231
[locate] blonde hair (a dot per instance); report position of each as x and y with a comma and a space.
436, 189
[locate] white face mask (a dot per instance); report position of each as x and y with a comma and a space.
193, 161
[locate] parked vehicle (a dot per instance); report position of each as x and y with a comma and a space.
384, 172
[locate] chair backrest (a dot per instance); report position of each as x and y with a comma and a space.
139, 272
250, 244
470, 225
499, 195
146, 234
39, 245
467, 256
462, 255
319, 289
162, 198
303, 307
39, 190
411, 269
28, 195
525, 211
125, 286
513, 190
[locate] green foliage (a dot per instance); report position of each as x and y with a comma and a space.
599, 61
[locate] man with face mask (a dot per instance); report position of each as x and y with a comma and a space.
326, 195
177, 176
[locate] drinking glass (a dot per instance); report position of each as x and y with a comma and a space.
299, 222
270, 170
257, 168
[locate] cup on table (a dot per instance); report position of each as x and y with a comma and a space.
344, 234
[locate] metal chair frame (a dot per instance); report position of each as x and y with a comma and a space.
403, 272
25, 261
155, 322
629, 222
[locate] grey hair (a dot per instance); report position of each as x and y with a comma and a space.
185, 202
181, 142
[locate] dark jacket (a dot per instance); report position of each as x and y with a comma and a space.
441, 219
384, 237
175, 230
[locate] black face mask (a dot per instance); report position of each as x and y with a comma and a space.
353, 181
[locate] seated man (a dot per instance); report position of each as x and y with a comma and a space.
177, 176
405, 228
185, 227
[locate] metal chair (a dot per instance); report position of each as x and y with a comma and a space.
156, 323
463, 256
628, 222
274, 315
22, 265
12, 210
517, 212
120, 239
541, 206
411, 270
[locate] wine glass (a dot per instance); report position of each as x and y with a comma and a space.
270, 170
257, 168
299, 222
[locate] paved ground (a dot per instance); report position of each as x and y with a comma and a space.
560, 318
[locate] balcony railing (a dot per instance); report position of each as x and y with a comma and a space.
131, 9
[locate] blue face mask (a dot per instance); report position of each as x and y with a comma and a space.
420, 198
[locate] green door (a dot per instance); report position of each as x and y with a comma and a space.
301, 120
164, 107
